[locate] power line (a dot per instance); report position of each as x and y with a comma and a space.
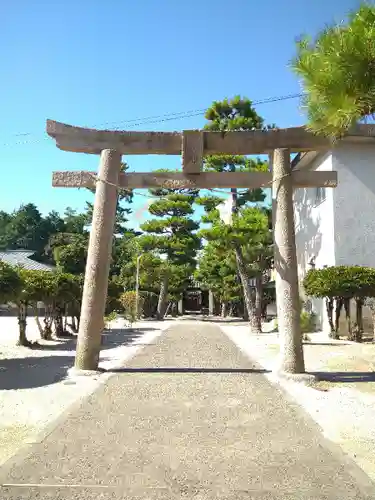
192, 113
131, 123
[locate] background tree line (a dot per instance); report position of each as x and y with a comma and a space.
173, 245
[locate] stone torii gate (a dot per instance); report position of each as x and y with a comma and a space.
193, 145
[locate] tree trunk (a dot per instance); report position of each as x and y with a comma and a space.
359, 320
66, 312
211, 303
180, 306
58, 321
264, 310
347, 317
231, 308
223, 309
373, 323
244, 311
162, 298
22, 321
73, 324
338, 308
255, 327
48, 320
38, 323
287, 292
258, 300
59, 328
329, 309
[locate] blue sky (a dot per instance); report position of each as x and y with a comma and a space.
101, 64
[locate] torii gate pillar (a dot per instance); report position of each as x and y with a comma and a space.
98, 261
285, 262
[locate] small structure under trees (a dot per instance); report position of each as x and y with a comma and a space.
193, 145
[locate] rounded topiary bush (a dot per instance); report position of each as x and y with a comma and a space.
340, 281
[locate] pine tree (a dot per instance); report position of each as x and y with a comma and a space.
236, 114
217, 270
172, 234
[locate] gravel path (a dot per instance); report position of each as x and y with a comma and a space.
344, 414
34, 389
189, 417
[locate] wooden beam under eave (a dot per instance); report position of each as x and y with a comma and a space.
84, 140
204, 180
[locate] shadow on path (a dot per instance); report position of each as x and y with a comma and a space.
27, 373
328, 344
38, 371
346, 377
189, 370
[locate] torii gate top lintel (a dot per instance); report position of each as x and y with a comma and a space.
93, 141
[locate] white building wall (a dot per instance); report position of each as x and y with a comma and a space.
314, 227
341, 229
354, 204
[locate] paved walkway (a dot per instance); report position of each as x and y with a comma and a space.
189, 417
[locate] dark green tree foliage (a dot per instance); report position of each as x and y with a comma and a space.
233, 114
123, 252
66, 294
5, 219
70, 252
10, 283
339, 285
115, 290
249, 232
26, 228
67, 248
172, 234
33, 288
74, 222
218, 272
340, 281
338, 73
125, 197
53, 223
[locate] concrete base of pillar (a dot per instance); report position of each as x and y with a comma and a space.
77, 372
302, 378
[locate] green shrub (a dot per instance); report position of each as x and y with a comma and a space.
340, 281
10, 283
307, 323
112, 316
128, 302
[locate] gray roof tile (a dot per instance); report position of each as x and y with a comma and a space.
22, 258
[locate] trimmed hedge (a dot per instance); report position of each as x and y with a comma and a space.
346, 282
339, 285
